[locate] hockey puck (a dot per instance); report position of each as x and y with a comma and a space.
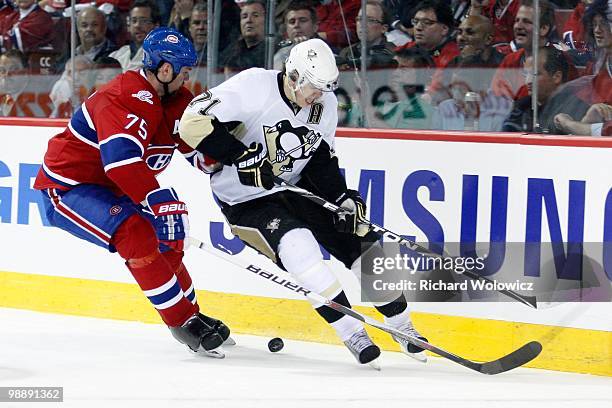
275, 345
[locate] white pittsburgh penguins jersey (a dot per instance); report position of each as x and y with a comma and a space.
289, 135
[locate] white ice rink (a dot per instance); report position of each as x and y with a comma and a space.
106, 363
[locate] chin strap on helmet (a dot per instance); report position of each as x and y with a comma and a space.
165, 84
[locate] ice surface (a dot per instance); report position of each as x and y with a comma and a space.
106, 363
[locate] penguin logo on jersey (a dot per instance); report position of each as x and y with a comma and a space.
273, 225
286, 144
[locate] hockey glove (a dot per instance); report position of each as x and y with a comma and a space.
168, 216
354, 220
254, 168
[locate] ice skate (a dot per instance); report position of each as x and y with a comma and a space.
408, 348
200, 337
364, 350
221, 328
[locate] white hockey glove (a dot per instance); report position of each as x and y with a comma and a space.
354, 221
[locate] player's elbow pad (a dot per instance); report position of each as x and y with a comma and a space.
209, 136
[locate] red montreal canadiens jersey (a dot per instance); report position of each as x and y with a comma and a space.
121, 138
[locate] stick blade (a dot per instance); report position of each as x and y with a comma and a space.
513, 360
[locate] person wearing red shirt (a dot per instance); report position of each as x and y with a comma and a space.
433, 24
98, 182
502, 14
331, 20
27, 28
508, 80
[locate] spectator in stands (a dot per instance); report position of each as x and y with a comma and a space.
379, 50
28, 28
91, 28
13, 80
407, 110
596, 122
508, 80
574, 32
475, 38
598, 33
181, 12
250, 50
332, 20
577, 96
502, 13
301, 25
481, 110
66, 95
143, 17
198, 31
433, 24
553, 70
102, 72
280, 12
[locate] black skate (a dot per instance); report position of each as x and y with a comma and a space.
220, 328
200, 337
408, 348
364, 350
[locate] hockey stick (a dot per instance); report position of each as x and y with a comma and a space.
515, 359
393, 237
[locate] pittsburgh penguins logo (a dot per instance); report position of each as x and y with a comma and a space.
286, 144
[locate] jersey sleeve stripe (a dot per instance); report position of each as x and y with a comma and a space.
121, 163
79, 126
87, 116
125, 136
118, 151
82, 137
61, 180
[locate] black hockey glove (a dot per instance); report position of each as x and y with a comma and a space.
254, 168
354, 220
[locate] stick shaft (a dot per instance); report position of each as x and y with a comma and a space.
393, 237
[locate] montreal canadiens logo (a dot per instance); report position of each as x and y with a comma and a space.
158, 161
115, 209
172, 39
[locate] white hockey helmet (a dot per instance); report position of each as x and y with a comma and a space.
313, 61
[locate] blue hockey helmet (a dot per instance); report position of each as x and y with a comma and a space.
165, 44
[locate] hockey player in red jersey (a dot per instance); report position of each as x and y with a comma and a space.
98, 183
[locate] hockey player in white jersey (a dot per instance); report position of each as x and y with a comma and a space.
265, 123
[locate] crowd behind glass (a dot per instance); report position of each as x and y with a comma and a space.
429, 64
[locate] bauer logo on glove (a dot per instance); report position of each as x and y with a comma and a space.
172, 208
254, 168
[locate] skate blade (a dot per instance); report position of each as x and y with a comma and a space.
421, 357
214, 353
374, 364
229, 342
